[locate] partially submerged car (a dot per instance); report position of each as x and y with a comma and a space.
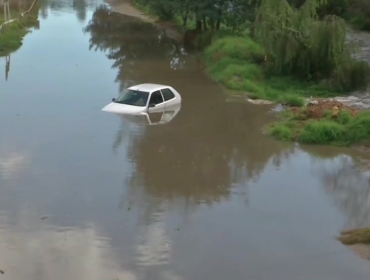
144, 99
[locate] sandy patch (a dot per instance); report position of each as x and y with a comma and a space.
362, 250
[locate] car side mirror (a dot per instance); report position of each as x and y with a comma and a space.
151, 105
113, 99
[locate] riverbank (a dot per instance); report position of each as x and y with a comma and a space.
325, 123
239, 63
358, 240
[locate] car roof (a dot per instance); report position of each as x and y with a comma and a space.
148, 87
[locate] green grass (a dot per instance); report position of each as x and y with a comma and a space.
238, 63
346, 130
355, 236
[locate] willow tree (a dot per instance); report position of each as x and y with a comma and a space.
299, 43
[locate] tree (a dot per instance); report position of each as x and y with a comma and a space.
299, 43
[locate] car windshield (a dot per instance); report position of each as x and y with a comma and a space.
133, 97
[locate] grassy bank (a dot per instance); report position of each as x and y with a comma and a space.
12, 35
286, 67
327, 123
240, 64
355, 236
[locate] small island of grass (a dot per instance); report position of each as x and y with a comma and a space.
355, 236
325, 123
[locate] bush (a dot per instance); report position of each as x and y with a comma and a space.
238, 48
235, 62
341, 130
299, 44
334, 7
358, 128
281, 132
292, 99
358, 14
322, 132
344, 117
352, 75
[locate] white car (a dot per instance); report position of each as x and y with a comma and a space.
144, 99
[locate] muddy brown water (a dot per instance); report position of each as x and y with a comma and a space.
89, 195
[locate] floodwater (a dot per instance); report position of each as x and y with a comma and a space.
89, 195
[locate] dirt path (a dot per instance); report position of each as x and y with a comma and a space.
124, 7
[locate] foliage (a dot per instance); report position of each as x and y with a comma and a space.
301, 39
358, 13
206, 14
282, 132
299, 44
345, 130
238, 63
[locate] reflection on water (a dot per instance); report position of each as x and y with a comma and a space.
132, 45
79, 6
41, 252
12, 163
350, 190
7, 67
203, 196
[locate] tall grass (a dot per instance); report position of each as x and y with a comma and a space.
345, 130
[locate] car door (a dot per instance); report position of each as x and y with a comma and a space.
169, 97
156, 102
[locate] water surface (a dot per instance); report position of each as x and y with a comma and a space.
89, 195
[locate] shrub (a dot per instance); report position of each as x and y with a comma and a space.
358, 14
281, 132
301, 45
344, 117
322, 132
358, 128
292, 99
238, 48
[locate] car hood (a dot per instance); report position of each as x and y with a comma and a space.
123, 109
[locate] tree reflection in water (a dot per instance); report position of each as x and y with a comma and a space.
79, 6
130, 42
347, 186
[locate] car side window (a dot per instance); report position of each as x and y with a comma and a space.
156, 98
167, 94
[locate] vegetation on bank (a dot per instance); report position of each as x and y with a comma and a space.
327, 123
11, 36
280, 50
355, 236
